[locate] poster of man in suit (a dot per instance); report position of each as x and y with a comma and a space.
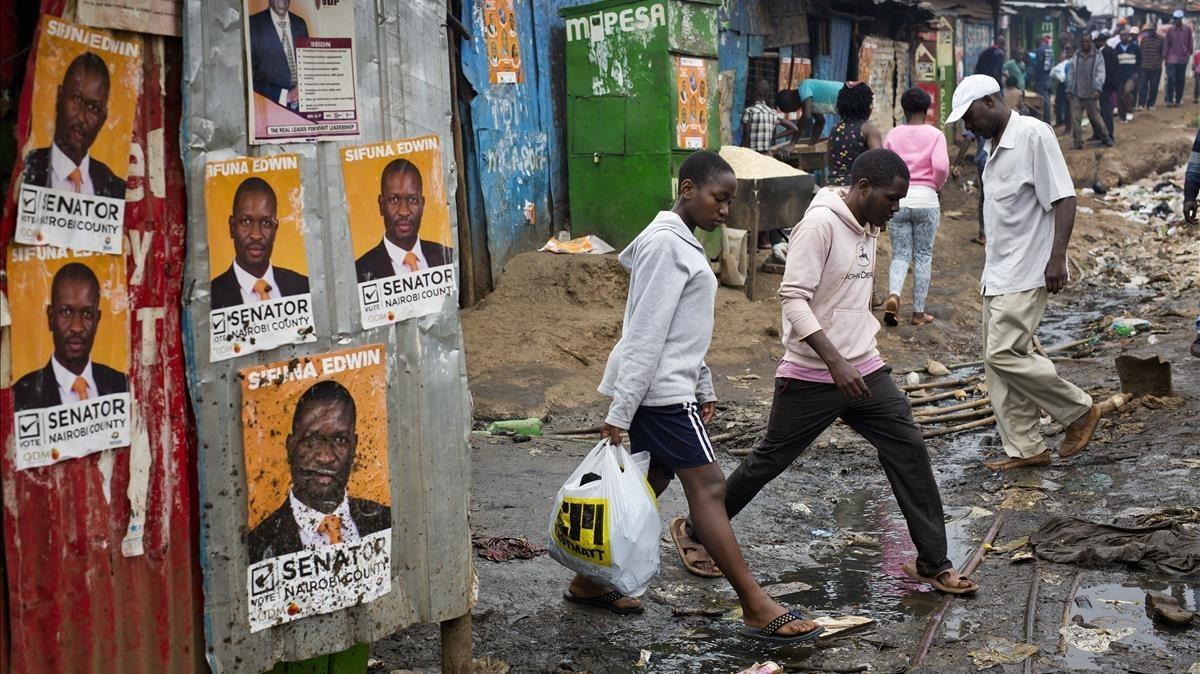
259, 294
85, 93
70, 353
300, 70
319, 496
399, 228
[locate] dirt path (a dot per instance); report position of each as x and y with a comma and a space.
538, 346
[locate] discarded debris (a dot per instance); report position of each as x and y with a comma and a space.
834, 625
800, 508
643, 658
1022, 556
1165, 547
783, 589
935, 368
1093, 639
505, 548
767, 667
1144, 376
1010, 546
1166, 608
584, 245
1021, 499
1001, 652
531, 427
912, 379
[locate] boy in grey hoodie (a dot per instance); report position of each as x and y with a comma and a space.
662, 392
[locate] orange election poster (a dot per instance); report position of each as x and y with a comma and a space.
85, 90
314, 433
70, 353
259, 291
691, 118
502, 43
400, 229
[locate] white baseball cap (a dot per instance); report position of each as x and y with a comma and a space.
971, 89
1178, 14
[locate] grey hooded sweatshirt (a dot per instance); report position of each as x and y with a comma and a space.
668, 323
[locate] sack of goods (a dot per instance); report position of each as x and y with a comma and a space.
605, 523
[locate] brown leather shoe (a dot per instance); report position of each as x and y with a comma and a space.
1042, 459
1080, 433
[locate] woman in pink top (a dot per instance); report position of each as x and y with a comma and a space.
923, 148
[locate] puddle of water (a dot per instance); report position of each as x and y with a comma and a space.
1063, 324
858, 580
1126, 608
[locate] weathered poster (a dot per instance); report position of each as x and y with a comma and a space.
320, 518
160, 17
300, 63
691, 117
501, 39
85, 93
400, 228
259, 293
70, 353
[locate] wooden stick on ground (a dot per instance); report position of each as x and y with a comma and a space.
925, 400
958, 429
1031, 613
969, 405
945, 383
1066, 619
953, 416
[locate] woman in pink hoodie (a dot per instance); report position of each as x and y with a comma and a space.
923, 148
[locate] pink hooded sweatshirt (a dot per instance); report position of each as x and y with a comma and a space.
827, 284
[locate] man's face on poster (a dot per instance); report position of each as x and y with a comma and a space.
402, 204
74, 315
252, 227
280, 6
321, 453
80, 112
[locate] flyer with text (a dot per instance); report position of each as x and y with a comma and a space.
85, 92
314, 433
400, 229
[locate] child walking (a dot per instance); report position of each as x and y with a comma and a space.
662, 392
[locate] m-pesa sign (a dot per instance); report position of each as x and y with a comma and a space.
600, 25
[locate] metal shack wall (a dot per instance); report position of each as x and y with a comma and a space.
76, 604
403, 90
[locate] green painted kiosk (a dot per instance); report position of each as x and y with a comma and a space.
641, 95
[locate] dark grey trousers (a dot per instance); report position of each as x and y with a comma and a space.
801, 410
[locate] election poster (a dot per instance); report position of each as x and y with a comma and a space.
400, 229
259, 291
314, 433
70, 353
300, 70
159, 17
691, 116
85, 90
501, 40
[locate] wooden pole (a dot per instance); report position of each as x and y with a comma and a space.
953, 416
456, 645
466, 258
945, 383
958, 429
925, 400
969, 405
752, 245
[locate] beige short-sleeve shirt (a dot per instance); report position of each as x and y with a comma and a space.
1024, 176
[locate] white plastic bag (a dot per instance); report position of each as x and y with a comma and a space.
607, 529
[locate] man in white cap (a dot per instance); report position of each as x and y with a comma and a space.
1177, 51
1028, 212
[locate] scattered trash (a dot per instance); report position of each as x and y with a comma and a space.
1085, 210
1008, 547
531, 427
1051, 578
1021, 499
784, 589
1165, 547
1166, 608
505, 548
743, 377
1001, 652
643, 658
1022, 556
1144, 376
1093, 639
834, 625
1127, 327
1195, 668
936, 369
767, 667
805, 510
519, 437
584, 245
1099, 189
912, 379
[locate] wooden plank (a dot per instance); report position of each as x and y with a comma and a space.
456, 645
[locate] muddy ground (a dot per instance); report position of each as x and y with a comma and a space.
537, 346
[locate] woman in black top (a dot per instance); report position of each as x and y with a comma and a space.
853, 134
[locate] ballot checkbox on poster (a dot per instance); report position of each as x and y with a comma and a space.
29, 426
262, 580
370, 294
218, 324
28, 201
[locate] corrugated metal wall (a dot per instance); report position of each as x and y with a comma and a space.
403, 91
75, 603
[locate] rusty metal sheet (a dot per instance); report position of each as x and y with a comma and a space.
404, 92
99, 552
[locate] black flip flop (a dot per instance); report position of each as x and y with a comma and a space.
770, 632
604, 601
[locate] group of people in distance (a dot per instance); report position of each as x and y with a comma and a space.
663, 395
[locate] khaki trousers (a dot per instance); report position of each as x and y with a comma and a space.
1019, 381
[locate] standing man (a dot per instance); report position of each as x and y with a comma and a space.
1084, 87
1178, 52
1062, 101
1129, 66
402, 250
1152, 62
1191, 187
1041, 79
273, 34
991, 61
1029, 214
759, 121
1108, 93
